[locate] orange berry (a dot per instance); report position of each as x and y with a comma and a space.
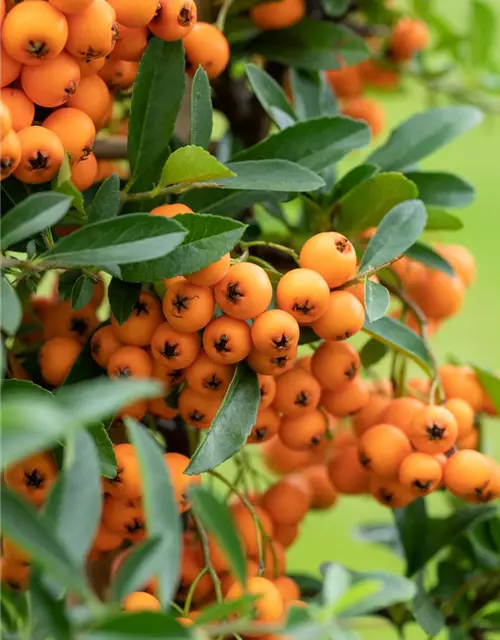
245, 526
367, 110
390, 493
13, 574
461, 382
303, 294
92, 32
358, 289
34, 32
461, 260
227, 340
89, 67
467, 474
323, 493
266, 426
129, 362
433, 430
331, 255
286, 534
169, 377
304, 362
71, 6
274, 560
335, 364
53, 83
297, 393
470, 441
188, 307
75, 130
92, 97
348, 400
288, 588
408, 37
10, 154
32, 477
267, 385
175, 350
105, 541
268, 606
206, 46
174, 20
437, 294
382, 449
42, 153
208, 377
127, 483
18, 107
61, 320
370, 414
400, 412
159, 407
346, 472
287, 501
139, 327
346, 82
278, 15
13, 552
83, 174
376, 75
140, 601
409, 271
191, 565
275, 332
9, 69
420, 473
271, 364
211, 275
131, 43
198, 409
177, 465
463, 414
170, 210
125, 518
134, 14
281, 459
119, 75
245, 291
56, 358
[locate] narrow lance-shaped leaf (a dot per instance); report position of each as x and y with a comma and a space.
47, 612
271, 175
442, 189
232, 424
10, 308
105, 451
427, 614
81, 294
441, 220
122, 298
421, 252
201, 109
337, 581
144, 625
490, 382
271, 96
106, 202
62, 184
137, 568
372, 353
312, 96
192, 164
377, 300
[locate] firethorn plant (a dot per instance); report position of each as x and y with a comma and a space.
152, 329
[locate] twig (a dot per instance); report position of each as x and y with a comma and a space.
370, 272
220, 23
272, 245
192, 589
180, 187
206, 557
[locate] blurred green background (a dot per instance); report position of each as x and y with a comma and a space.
471, 336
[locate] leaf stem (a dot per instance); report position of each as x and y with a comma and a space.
206, 557
220, 23
272, 245
192, 589
180, 187
359, 277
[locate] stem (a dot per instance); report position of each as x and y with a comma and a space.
206, 557
262, 263
192, 589
220, 23
273, 245
181, 187
370, 272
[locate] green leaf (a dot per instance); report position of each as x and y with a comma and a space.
105, 450
441, 220
34, 214
312, 44
34, 534
221, 202
81, 294
271, 175
85, 367
482, 34
11, 311
78, 484
442, 189
66, 283
122, 298
386, 535
201, 110
208, 239
401, 339
137, 568
309, 586
353, 178
315, 144
146, 625
337, 581
106, 202
160, 507
422, 134
215, 516
48, 614
490, 382
156, 100
377, 300
412, 523
396, 233
126, 239
271, 96
218, 611
192, 164
62, 184
312, 95
232, 424
335, 8
421, 252
91, 400
366, 204
372, 353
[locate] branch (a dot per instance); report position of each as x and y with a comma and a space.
180, 187
206, 557
111, 148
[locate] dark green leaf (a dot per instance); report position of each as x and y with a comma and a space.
137, 568
384, 534
271, 96
215, 516
48, 613
335, 8
336, 583
208, 239
66, 283
217, 611
221, 202
366, 204
62, 184
307, 335
412, 522
309, 586
399, 338
482, 35
490, 382
421, 252
34, 534
353, 178
192, 164
398, 230
441, 220
105, 451
232, 424
156, 100
146, 625
428, 616
372, 353
126, 239
271, 175
81, 293
34, 214
312, 95
11, 311
377, 300
422, 134
85, 367
201, 109
160, 507
106, 202
122, 298
315, 144
442, 189
312, 45
79, 484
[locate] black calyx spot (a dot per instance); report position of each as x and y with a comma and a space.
196, 416
422, 485
234, 292
212, 382
220, 345
260, 433
302, 399
34, 478
175, 376
170, 351
140, 308
96, 347
350, 373
38, 161
280, 361
282, 342
386, 496
135, 525
435, 432
304, 308
79, 325
123, 372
